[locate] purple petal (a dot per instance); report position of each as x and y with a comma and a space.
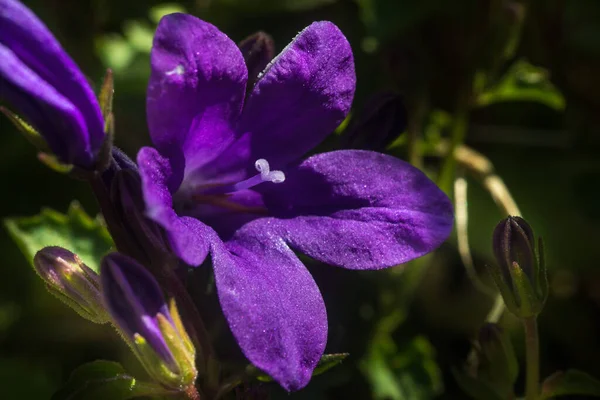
273, 306
357, 209
57, 119
302, 97
31, 42
189, 238
196, 89
134, 298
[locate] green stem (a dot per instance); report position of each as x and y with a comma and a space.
532, 352
414, 131
459, 131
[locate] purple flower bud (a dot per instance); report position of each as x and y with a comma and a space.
498, 360
493, 369
514, 242
44, 84
380, 122
73, 282
119, 194
153, 329
520, 272
258, 51
126, 196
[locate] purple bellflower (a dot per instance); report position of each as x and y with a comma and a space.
225, 178
44, 84
152, 328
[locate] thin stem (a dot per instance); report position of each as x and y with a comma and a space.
462, 235
532, 352
459, 131
414, 130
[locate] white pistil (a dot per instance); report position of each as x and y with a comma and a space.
266, 174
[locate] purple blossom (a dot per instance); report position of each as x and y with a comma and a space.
225, 178
134, 299
43, 83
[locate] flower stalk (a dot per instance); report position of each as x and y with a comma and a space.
532, 354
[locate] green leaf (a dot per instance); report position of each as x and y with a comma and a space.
405, 373
523, 82
160, 10
75, 231
571, 382
115, 51
326, 362
101, 380
475, 388
329, 361
27, 130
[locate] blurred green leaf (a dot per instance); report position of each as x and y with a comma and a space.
139, 35
571, 382
100, 380
523, 82
75, 231
25, 379
475, 388
402, 374
115, 51
159, 11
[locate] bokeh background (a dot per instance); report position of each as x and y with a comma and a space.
516, 81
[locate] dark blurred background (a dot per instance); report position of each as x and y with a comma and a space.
517, 81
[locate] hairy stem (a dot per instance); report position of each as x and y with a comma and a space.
191, 393
532, 353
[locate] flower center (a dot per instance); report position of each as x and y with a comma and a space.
221, 195
265, 175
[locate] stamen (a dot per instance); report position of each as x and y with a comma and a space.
265, 175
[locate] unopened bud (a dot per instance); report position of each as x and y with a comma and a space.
493, 367
379, 123
152, 327
498, 364
73, 282
520, 272
258, 51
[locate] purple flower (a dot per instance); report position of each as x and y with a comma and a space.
226, 178
154, 330
43, 83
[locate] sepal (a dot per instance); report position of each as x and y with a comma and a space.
71, 281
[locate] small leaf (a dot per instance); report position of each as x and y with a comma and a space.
571, 382
101, 380
329, 361
105, 97
523, 82
52, 162
476, 388
75, 231
326, 362
27, 130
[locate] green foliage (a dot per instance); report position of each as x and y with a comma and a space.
476, 388
571, 382
404, 373
100, 380
523, 82
75, 231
